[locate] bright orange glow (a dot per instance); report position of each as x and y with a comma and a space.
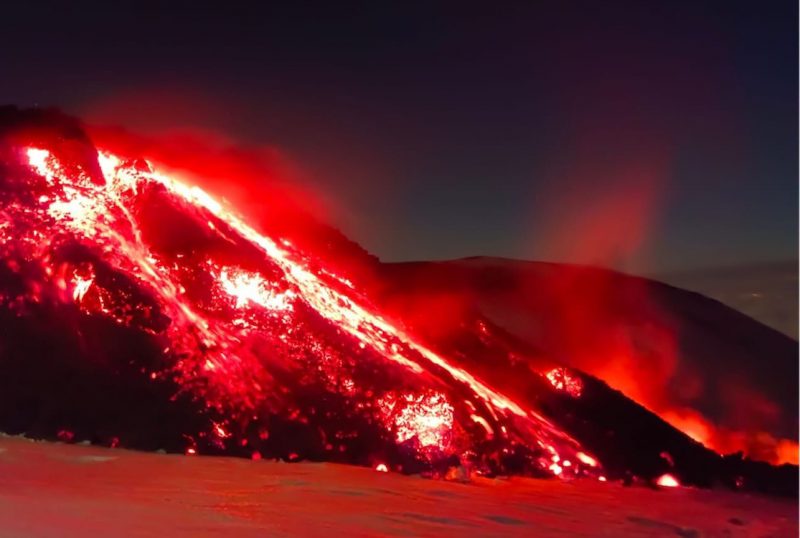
220, 431
563, 380
381, 468
788, 451
247, 288
588, 460
426, 418
483, 423
80, 287
622, 373
692, 424
38, 159
668, 481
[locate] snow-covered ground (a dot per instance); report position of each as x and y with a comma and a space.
49, 489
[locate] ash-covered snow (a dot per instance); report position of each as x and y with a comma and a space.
51, 489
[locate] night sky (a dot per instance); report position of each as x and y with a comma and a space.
649, 136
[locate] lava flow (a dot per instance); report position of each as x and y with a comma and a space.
279, 356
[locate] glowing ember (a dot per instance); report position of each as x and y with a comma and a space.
588, 460
563, 380
426, 418
667, 481
252, 288
381, 468
220, 431
80, 287
483, 423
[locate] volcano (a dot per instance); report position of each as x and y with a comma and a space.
140, 310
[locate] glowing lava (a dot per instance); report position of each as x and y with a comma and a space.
251, 325
251, 288
668, 481
563, 380
428, 419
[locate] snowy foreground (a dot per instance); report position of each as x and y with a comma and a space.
51, 489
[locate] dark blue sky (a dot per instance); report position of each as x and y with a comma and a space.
647, 135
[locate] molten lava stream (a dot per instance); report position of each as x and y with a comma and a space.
276, 304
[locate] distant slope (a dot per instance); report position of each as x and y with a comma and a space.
766, 292
720, 375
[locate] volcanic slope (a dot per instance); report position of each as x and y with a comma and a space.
138, 310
